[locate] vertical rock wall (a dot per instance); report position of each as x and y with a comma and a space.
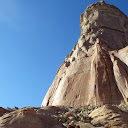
96, 70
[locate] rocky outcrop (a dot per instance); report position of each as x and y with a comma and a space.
96, 70
66, 117
3, 111
110, 117
48, 117
29, 117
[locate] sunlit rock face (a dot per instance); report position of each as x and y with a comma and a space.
96, 70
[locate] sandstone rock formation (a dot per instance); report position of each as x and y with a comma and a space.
3, 111
109, 116
66, 117
93, 74
29, 117
48, 117
96, 70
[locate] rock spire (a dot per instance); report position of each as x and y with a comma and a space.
96, 70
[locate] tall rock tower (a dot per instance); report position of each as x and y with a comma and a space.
96, 70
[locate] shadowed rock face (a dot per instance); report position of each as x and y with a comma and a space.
96, 70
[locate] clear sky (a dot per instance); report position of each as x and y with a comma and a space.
35, 37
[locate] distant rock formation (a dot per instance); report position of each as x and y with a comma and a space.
96, 70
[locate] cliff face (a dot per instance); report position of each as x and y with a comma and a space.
96, 70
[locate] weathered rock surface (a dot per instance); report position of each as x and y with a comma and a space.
109, 116
3, 111
96, 70
28, 118
66, 117
48, 117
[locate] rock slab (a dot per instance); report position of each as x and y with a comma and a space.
109, 116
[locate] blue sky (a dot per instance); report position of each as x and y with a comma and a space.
35, 37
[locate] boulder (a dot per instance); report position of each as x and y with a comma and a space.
109, 116
28, 118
